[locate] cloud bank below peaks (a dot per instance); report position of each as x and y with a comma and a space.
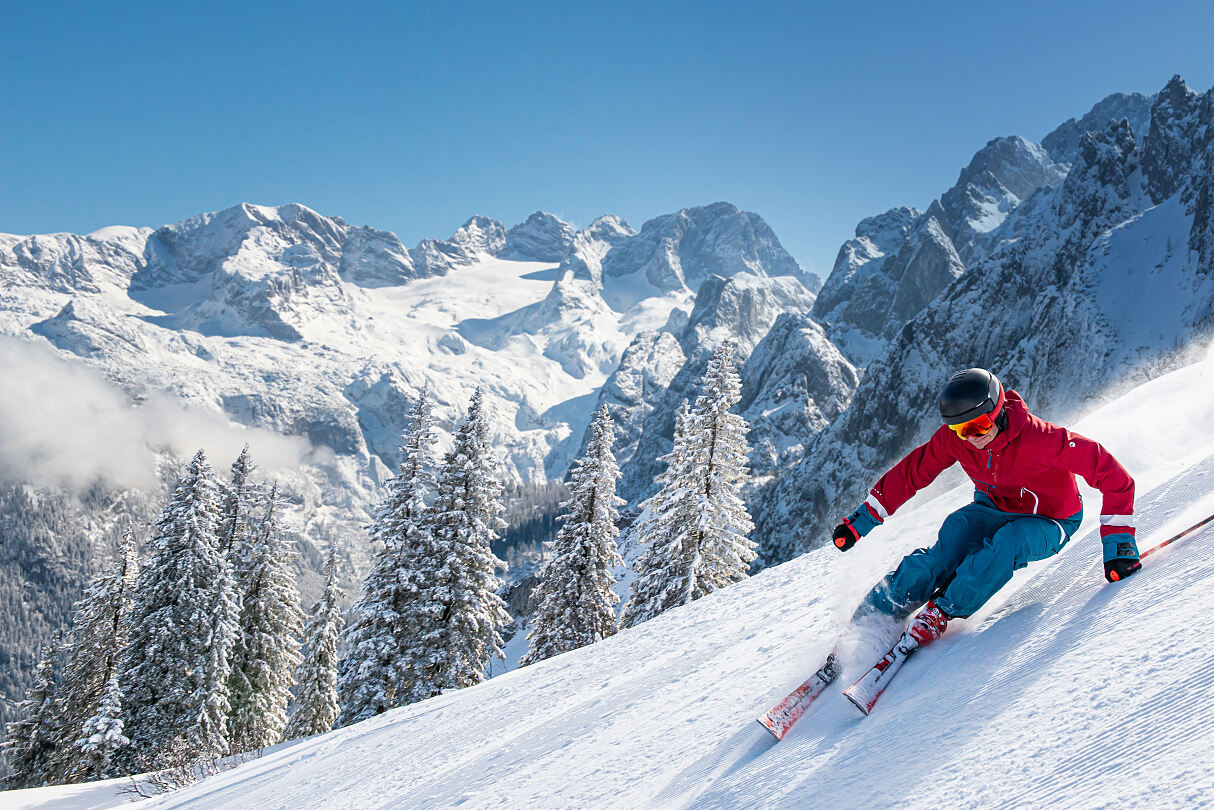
63, 424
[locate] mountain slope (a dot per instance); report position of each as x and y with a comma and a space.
1064, 690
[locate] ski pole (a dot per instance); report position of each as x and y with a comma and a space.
1175, 537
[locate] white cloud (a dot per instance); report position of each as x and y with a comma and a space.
63, 424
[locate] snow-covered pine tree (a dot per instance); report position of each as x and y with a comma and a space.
91, 658
241, 499
183, 621
316, 701
575, 603
265, 658
663, 528
388, 616
31, 743
101, 736
720, 461
457, 568
697, 528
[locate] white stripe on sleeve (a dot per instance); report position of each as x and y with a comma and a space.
872, 501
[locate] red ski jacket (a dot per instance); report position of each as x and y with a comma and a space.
1029, 468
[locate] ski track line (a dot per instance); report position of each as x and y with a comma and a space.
1043, 620
1077, 775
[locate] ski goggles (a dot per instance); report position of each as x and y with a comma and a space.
978, 426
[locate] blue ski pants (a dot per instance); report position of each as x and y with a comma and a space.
978, 549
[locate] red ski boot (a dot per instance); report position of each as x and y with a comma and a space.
929, 625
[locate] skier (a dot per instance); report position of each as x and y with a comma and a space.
1026, 505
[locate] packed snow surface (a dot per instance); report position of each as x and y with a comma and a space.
1064, 691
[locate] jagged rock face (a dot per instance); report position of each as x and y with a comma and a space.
1167, 153
1091, 285
482, 236
794, 384
200, 246
646, 369
1199, 195
877, 238
678, 251
999, 177
1063, 142
543, 237
382, 394
741, 308
372, 258
475, 240
68, 263
88, 330
900, 261
1106, 162
587, 249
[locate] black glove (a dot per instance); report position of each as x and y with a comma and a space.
1120, 568
845, 535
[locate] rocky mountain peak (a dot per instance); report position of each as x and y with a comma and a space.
1063, 142
481, 235
1168, 151
998, 178
1100, 177
544, 237
891, 226
678, 251
610, 226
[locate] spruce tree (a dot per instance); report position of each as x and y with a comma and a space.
31, 743
723, 523
101, 737
389, 616
316, 702
696, 528
456, 567
265, 658
576, 605
91, 660
240, 501
183, 621
664, 567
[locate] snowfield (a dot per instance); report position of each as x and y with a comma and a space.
1064, 691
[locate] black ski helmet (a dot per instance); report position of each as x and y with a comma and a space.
969, 394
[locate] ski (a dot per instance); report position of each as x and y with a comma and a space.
865, 692
780, 718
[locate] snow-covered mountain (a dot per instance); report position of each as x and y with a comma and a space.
1101, 281
284, 319
1063, 691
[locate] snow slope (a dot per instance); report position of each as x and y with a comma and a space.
1063, 691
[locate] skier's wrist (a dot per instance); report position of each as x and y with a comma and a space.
863, 519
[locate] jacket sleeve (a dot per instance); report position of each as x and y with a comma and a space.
1087, 458
920, 467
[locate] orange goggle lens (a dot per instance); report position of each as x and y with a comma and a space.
979, 426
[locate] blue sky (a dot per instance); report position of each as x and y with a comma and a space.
413, 116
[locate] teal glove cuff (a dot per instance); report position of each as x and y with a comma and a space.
1120, 546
